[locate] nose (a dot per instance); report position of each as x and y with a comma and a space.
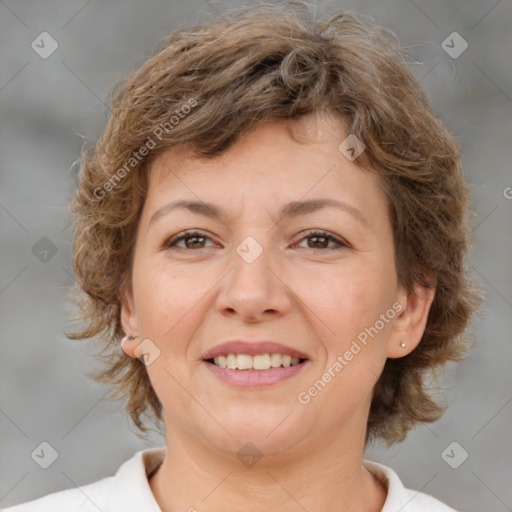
254, 288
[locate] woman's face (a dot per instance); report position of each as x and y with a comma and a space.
256, 272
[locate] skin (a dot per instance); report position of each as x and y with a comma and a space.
189, 298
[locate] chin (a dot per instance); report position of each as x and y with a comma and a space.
270, 431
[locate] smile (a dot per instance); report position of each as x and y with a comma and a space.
257, 362
258, 371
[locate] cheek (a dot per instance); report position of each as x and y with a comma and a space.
165, 300
349, 299
354, 339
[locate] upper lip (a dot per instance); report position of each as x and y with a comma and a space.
252, 348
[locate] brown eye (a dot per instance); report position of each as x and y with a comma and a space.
197, 240
321, 240
192, 239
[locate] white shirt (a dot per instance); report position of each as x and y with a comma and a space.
129, 491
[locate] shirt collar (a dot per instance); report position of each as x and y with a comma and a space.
131, 491
398, 497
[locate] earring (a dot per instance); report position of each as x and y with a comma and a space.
128, 337
402, 344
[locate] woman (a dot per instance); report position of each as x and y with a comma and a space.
271, 240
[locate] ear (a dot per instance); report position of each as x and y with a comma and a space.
410, 323
129, 320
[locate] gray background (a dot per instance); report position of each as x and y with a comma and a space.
49, 106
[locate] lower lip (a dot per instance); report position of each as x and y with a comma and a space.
255, 378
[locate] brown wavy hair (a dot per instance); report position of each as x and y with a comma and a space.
208, 85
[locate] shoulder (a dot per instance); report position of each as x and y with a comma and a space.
425, 503
400, 498
85, 498
128, 490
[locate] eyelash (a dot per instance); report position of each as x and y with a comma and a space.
311, 234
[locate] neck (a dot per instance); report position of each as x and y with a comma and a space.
327, 476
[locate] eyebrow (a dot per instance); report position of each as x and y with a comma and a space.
292, 209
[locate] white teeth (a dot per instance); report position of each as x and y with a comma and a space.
257, 362
231, 361
275, 360
243, 362
261, 362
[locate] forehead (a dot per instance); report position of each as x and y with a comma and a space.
276, 163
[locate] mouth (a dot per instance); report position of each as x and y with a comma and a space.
254, 364
257, 362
